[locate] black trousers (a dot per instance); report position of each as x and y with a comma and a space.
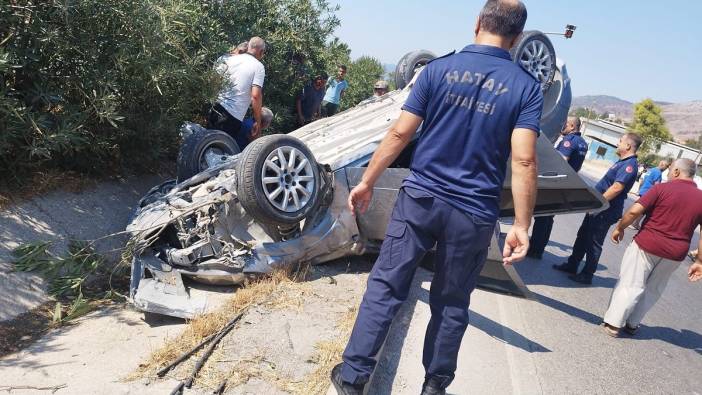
540, 234
218, 118
329, 109
588, 243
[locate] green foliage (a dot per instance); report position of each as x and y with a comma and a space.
66, 274
361, 75
649, 123
583, 112
91, 85
695, 143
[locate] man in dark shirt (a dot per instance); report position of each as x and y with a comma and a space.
475, 107
573, 148
309, 102
673, 212
614, 186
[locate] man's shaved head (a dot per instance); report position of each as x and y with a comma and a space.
505, 18
687, 168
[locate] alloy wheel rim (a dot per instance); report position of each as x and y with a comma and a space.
536, 59
287, 178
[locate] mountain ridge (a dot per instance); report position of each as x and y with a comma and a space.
684, 120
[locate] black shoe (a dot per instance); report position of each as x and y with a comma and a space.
534, 255
581, 278
342, 387
565, 267
435, 385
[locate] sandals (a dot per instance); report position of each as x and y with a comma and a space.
610, 330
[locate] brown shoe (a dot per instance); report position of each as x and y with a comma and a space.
610, 330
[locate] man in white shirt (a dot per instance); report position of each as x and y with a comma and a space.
244, 75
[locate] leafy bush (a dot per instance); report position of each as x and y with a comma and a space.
361, 75
92, 85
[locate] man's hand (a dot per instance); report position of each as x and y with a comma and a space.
255, 131
617, 235
695, 271
360, 198
516, 245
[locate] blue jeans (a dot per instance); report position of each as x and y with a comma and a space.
419, 221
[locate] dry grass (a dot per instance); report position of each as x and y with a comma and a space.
277, 290
282, 290
328, 353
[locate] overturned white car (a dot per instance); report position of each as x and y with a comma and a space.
282, 201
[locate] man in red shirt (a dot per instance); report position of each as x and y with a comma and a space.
674, 211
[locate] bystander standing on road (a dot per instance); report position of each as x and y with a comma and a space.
655, 176
573, 148
244, 75
335, 91
451, 197
673, 212
614, 186
309, 102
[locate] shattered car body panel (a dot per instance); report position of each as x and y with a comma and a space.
197, 230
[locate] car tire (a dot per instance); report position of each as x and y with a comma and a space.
197, 146
534, 52
274, 191
408, 65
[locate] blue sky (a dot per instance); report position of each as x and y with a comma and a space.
624, 48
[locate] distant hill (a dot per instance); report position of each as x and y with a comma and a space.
683, 119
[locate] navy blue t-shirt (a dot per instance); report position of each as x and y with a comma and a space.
471, 102
243, 138
624, 171
574, 147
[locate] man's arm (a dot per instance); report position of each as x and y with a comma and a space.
256, 105
695, 271
397, 138
613, 191
631, 215
524, 169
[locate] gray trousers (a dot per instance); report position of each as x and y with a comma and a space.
642, 279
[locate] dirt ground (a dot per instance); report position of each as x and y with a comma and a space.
284, 346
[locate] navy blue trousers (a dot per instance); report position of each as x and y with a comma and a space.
588, 243
540, 234
419, 221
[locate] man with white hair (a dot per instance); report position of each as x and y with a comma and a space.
673, 212
244, 75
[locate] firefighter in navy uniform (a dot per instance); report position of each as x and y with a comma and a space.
573, 148
475, 107
614, 186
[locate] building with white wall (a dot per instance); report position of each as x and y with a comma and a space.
602, 137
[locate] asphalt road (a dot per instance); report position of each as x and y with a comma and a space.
554, 344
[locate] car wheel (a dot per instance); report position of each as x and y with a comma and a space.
203, 149
535, 53
409, 64
278, 180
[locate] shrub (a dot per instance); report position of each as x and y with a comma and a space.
362, 75
93, 85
